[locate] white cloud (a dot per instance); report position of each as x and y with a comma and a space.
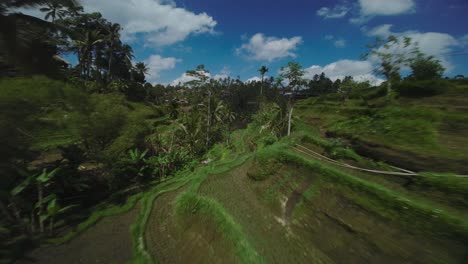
160, 22
156, 64
338, 11
386, 7
263, 48
338, 42
431, 43
380, 31
223, 74
360, 70
372, 8
254, 79
464, 40
185, 78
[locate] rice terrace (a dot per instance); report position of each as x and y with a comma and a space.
119, 145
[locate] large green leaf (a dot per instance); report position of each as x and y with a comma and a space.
53, 207
66, 208
45, 176
46, 200
18, 189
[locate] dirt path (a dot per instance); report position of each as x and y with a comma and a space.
108, 241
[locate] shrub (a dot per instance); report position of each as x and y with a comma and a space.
409, 88
102, 122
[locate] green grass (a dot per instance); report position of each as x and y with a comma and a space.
414, 125
189, 204
410, 128
189, 201
226, 161
140, 255
411, 213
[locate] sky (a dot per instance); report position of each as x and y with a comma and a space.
236, 37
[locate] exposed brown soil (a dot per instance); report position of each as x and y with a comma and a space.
295, 198
108, 241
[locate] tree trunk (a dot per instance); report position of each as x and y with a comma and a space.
208, 120
261, 87
289, 121
33, 222
109, 77
19, 220
40, 196
51, 225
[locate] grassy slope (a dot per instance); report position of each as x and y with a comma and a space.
423, 133
381, 208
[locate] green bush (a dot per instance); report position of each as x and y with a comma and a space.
35, 111
409, 88
102, 122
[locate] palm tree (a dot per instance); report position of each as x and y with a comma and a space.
127, 54
262, 71
141, 68
54, 9
114, 35
85, 47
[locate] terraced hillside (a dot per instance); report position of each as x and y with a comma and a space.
353, 184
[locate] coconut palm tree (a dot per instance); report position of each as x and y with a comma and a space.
262, 71
54, 9
113, 37
141, 69
85, 47
127, 55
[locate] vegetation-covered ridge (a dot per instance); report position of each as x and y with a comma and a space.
207, 171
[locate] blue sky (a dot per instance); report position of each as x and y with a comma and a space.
236, 37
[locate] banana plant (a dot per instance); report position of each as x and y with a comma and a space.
53, 210
41, 181
138, 159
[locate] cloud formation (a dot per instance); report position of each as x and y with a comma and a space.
338, 42
436, 44
156, 64
159, 22
263, 48
185, 78
385, 7
337, 11
372, 8
360, 70
223, 74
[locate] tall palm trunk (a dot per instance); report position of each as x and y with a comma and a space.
261, 87
208, 129
289, 120
40, 196
111, 50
